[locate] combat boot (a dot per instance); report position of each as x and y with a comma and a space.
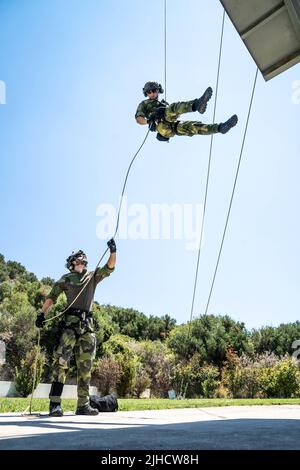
226, 126
55, 409
86, 410
200, 104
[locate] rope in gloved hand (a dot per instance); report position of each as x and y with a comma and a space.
92, 274
114, 235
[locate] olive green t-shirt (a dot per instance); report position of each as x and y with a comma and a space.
73, 282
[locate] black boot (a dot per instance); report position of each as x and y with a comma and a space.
55, 409
226, 126
161, 138
200, 104
86, 410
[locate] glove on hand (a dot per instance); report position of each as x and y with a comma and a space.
152, 126
112, 245
158, 114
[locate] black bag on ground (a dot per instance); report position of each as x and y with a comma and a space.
107, 403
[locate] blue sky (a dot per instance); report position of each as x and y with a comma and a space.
73, 72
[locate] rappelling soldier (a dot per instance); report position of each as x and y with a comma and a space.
163, 118
77, 329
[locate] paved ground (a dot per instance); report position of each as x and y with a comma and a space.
244, 427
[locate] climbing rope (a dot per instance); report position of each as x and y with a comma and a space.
38, 346
90, 277
227, 218
208, 170
92, 274
183, 389
165, 46
206, 191
233, 191
115, 233
117, 223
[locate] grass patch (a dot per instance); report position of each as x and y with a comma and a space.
18, 405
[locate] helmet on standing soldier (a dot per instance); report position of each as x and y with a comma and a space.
76, 256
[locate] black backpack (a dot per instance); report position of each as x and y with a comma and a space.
107, 403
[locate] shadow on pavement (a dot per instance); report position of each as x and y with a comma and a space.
229, 434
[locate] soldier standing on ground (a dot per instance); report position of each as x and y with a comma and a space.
78, 326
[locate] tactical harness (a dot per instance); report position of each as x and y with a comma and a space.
159, 115
82, 315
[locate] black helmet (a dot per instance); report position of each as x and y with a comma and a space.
152, 86
74, 257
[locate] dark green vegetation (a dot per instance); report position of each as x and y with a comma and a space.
216, 358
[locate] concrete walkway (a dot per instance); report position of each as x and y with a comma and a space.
243, 427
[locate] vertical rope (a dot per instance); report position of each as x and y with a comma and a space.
208, 170
233, 191
38, 349
90, 278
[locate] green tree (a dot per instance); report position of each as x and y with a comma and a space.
210, 336
15, 269
209, 380
119, 348
3, 269
281, 380
159, 364
106, 375
278, 340
47, 281
135, 324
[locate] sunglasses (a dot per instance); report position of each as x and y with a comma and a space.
151, 91
81, 260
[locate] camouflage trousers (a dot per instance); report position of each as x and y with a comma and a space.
170, 126
84, 347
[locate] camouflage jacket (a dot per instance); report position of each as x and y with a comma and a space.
146, 107
73, 282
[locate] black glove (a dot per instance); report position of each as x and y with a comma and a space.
112, 245
40, 319
158, 114
152, 125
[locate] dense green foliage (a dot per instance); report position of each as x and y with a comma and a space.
213, 356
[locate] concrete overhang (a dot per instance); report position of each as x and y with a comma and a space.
270, 30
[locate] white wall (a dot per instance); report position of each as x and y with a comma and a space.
7, 389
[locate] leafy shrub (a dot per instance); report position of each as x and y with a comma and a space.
106, 375
282, 380
209, 380
119, 347
142, 381
158, 363
25, 372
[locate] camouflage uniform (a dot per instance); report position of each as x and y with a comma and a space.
77, 333
170, 126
